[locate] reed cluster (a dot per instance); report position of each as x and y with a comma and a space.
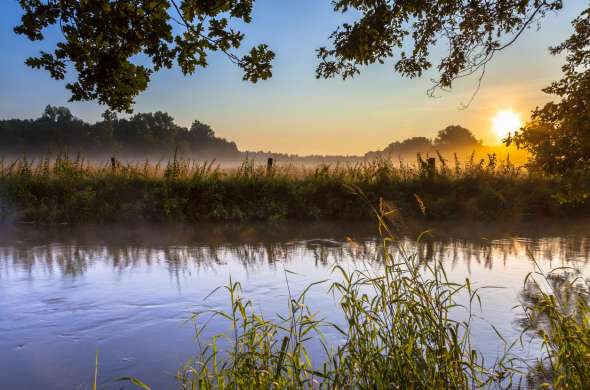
557, 311
405, 326
70, 190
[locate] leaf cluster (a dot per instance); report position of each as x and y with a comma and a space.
471, 31
558, 135
115, 46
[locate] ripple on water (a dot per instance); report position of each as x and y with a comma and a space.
131, 300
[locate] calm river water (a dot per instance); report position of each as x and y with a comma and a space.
127, 292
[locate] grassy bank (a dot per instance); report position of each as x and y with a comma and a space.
73, 190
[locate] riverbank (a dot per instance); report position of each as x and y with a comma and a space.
73, 191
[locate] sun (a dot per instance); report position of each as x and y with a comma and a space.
506, 122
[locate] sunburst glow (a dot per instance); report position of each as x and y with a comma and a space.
506, 122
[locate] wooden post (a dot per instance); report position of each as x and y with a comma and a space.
269, 166
431, 166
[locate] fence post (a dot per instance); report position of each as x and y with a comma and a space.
431, 166
269, 166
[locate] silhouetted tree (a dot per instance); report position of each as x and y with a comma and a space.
102, 36
200, 138
558, 135
58, 130
456, 137
409, 146
450, 139
201, 131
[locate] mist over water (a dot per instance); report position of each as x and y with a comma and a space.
129, 291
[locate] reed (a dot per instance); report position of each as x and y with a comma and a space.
400, 332
71, 190
556, 310
405, 326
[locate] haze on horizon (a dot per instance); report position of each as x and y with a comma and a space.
293, 112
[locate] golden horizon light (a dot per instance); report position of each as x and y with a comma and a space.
506, 122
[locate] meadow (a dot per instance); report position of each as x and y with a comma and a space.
72, 190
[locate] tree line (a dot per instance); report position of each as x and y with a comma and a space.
156, 135
453, 138
147, 134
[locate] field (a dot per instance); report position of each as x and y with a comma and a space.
67, 190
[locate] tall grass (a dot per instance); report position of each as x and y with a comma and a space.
405, 326
261, 353
557, 311
400, 331
74, 190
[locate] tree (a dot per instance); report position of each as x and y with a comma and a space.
201, 139
201, 131
150, 134
457, 137
102, 36
57, 127
57, 114
147, 132
473, 32
558, 135
409, 146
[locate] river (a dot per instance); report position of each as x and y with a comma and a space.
127, 293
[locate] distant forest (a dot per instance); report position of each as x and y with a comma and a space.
453, 138
141, 135
156, 135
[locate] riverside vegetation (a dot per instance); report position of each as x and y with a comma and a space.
70, 190
406, 326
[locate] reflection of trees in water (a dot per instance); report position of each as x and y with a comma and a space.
75, 259
49, 259
556, 251
72, 260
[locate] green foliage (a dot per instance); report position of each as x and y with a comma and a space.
556, 309
262, 354
101, 37
558, 135
473, 32
74, 190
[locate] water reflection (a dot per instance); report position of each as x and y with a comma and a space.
72, 255
67, 291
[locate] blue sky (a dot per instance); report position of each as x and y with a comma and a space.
293, 112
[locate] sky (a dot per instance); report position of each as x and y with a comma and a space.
293, 112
